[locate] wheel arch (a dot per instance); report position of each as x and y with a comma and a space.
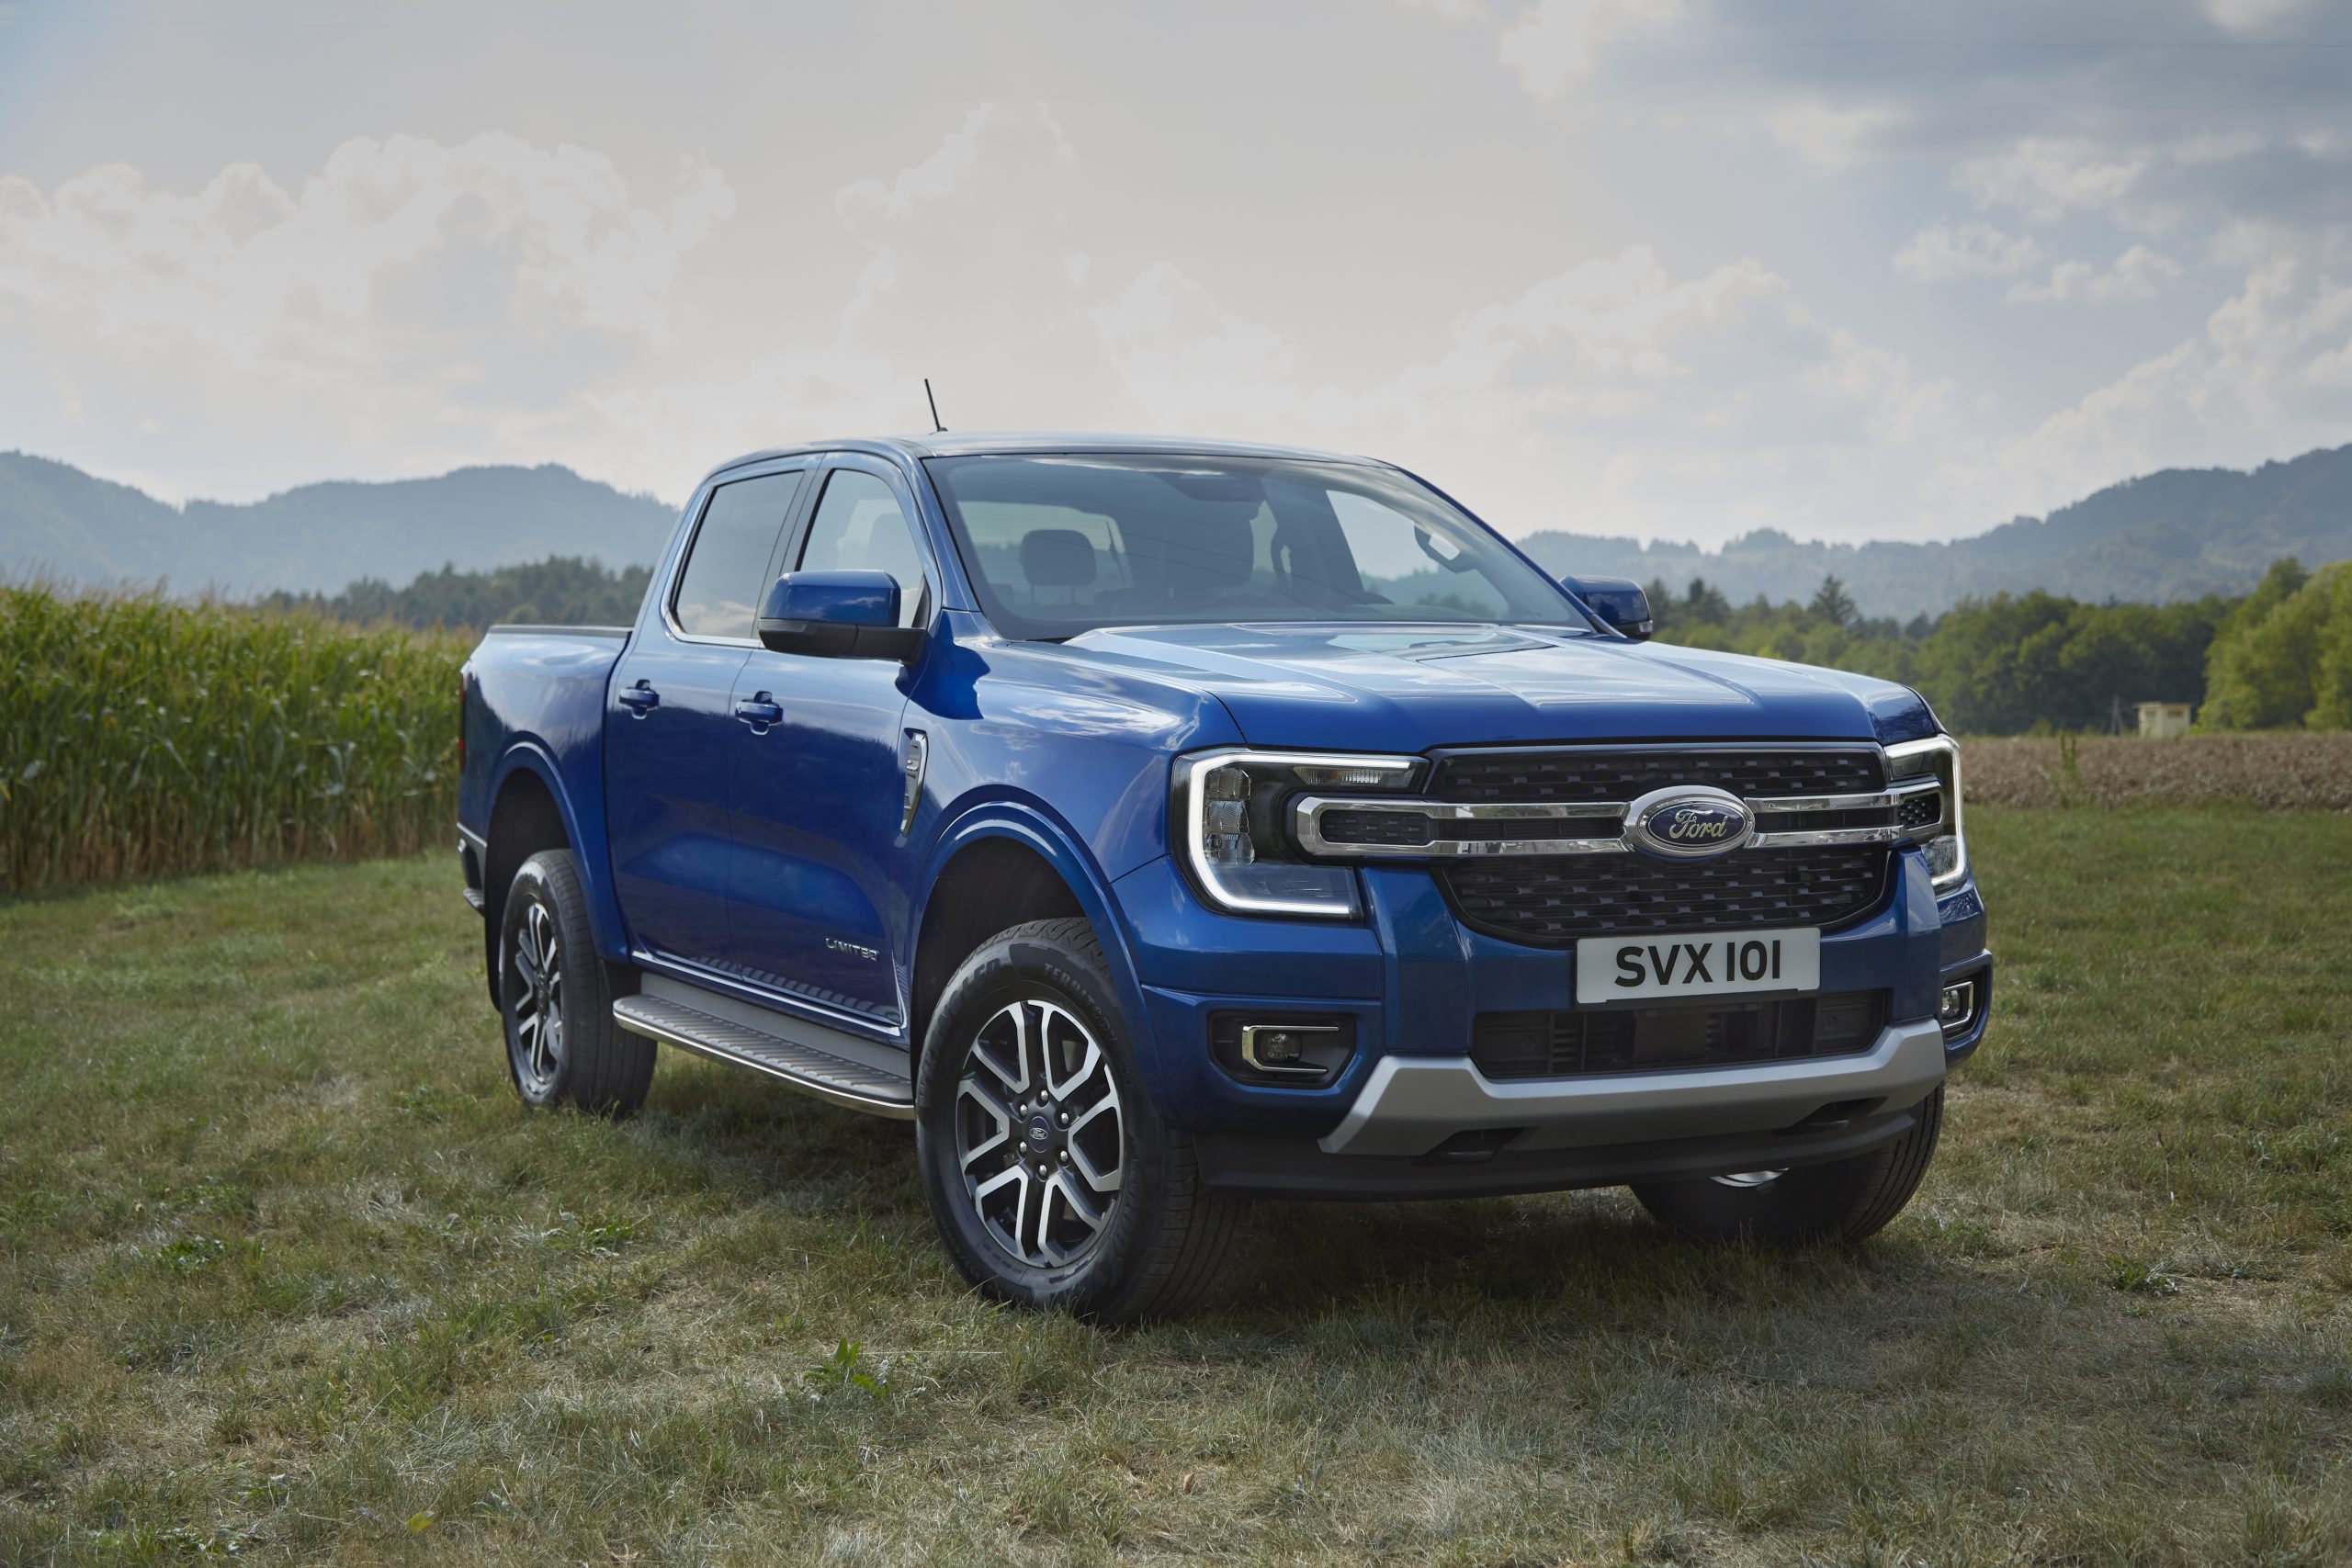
1000, 866
529, 812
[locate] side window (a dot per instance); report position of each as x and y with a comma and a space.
859, 527
727, 568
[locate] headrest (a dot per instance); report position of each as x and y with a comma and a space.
1057, 557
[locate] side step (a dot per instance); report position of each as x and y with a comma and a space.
808, 1056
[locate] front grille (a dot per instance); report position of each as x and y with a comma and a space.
1680, 1036
1553, 902
1601, 773
1547, 901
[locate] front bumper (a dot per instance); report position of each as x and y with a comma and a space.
1414, 982
1411, 1105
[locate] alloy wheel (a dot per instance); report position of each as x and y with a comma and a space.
1040, 1136
535, 995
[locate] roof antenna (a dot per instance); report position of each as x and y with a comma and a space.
936, 428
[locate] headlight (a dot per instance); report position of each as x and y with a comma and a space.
1934, 820
1229, 820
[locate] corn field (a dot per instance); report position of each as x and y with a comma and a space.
143, 738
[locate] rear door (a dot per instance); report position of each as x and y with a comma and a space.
820, 888
671, 723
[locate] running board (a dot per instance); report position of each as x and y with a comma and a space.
808, 1056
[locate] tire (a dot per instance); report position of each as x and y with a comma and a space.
1032, 1003
1847, 1200
562, 1047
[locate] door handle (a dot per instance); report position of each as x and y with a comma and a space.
641, 699
760, 711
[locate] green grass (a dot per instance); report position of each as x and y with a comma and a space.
148, 737
286, 1269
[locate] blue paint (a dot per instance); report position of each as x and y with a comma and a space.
748, 821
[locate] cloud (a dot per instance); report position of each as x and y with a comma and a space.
1826, 136
2263, 376
402, 251
1557, 44
2047, 178
1612, 395
2250, 16
970, 270
1943, 254
2138, 274
872, 209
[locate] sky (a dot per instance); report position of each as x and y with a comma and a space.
1665, 268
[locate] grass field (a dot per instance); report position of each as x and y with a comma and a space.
287, 1271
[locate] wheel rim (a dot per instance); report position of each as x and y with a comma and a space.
1750, 1181
1040, 1137
535, 998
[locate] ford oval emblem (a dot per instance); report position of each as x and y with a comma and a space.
1689, 822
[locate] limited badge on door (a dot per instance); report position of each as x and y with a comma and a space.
1614, 969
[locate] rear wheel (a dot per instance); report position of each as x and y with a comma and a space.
1052, 1182
556, 1001
1846, 1200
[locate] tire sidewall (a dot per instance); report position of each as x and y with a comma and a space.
1034, 967
540, 881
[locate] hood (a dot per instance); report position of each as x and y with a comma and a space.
1356, 687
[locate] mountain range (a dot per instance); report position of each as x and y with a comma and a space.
2178, 534
58, 522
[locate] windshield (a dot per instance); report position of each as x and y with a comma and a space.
1057, 546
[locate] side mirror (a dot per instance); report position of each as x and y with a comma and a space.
837, 614
1620, 602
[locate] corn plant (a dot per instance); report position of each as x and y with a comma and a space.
143, 738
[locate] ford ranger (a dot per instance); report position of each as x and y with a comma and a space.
1159, 825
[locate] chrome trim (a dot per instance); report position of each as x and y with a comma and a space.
1957, 1026
1411, 1104
1946, 746
1306, 814
1277, 1069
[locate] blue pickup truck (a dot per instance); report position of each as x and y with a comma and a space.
1160, 825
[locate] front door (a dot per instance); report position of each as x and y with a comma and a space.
669, 724
819, 886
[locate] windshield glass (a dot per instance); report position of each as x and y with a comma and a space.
1059, 545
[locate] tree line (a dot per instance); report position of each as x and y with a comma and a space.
2038, 663
560, 589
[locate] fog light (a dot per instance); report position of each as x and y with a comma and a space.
1280, 1048
1956, 1005
1268, 1047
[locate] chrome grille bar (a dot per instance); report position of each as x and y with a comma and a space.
1309, 811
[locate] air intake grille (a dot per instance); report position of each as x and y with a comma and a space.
1550, 902
1678, 1037
1553, 902
1576, 773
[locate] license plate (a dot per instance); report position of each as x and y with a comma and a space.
1612, 969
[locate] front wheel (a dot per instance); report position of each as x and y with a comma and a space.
556, 1001
1845, 1200
1051, 1181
